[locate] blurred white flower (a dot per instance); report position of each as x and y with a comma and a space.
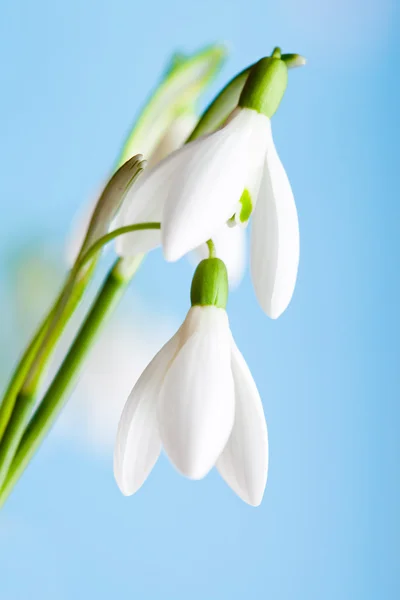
198, 400
195, 191
175, 136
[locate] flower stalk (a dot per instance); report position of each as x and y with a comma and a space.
108, 298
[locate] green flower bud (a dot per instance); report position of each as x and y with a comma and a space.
265, 85
210, 284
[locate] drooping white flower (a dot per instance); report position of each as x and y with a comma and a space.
234, 171
197, 400
229, 241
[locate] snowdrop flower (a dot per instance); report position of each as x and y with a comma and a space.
197, 400
229, 241
226, 176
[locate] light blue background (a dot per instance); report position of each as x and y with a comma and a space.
73, 75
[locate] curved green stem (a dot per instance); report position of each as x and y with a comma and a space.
211, 249
53, 401
64, 308
105, 239
20, 396
41, 340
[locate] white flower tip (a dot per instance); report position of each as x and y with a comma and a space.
275, 307
191, 467
275, 311
172, 249
128, 485
124, 490
254, 500
121, 483
171, 253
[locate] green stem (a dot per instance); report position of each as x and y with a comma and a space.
53, 401
22, 410
105, 239
64, 308
41, 346
19, 400
212, 253
7, 404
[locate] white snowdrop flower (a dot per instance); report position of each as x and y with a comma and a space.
229, 241
197, 400
235, 171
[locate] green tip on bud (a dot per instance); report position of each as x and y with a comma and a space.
210, 284
293, 60
276, 52
266, 85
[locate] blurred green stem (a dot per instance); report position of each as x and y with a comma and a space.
53, 401
30, 367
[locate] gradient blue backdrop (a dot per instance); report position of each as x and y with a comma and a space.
73, 75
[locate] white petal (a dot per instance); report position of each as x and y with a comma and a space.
204, 193
145, 202
275, 242
138, 442
244, 461
196, 403
230, 245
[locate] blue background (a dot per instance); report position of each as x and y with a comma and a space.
73, 76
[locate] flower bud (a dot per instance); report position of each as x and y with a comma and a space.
265, 86
210, 284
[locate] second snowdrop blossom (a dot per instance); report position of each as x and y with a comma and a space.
225, 177
197, 400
